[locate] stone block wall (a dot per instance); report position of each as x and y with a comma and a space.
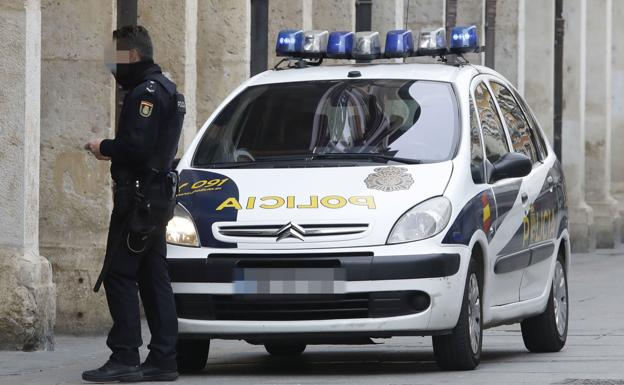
77, 105
223, 36
173, 28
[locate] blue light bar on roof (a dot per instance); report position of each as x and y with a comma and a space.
399, 43
340, 45
289, 42
464, 39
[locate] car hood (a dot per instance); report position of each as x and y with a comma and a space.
292, 208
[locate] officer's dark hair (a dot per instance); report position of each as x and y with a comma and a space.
135, 37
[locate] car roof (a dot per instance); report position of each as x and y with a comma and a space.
434, 72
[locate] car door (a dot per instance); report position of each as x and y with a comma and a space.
504, 247
538, 197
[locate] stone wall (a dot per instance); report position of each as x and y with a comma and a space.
77, 105
173, 28
424, 15
223, 36
283, 14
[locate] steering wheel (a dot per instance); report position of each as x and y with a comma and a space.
242, 152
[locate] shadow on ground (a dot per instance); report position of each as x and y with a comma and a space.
347, 363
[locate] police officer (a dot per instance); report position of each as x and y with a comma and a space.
141, 158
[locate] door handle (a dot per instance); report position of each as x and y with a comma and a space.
524, 197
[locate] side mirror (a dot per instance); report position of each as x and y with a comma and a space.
175, 163
511, 165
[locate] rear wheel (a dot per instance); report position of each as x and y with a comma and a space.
192, 355
461, 350
548, 331
285, 349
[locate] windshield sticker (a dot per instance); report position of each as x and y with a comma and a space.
290, 202
389, 179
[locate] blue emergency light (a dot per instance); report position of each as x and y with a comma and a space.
289, 42
340, 45
399, 43
464, 39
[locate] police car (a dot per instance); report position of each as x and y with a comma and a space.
336, 204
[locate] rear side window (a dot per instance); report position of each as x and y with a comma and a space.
476, 148
541, 142
522, 138
493, 134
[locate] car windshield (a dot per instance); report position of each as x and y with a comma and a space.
364, 120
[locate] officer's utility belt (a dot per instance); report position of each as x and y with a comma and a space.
148, 203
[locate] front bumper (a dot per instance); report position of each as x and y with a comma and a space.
382, 293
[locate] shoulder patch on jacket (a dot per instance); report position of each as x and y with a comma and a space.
145, 108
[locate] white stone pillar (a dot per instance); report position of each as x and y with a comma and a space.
77, 105
472, 12
509, 50
223, 49
539, 61
173, 28
617, 113
598, 124
525, 45
581, 220
27, 293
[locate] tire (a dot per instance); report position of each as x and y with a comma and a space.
461, 349
548, 331
192, 355
285, 349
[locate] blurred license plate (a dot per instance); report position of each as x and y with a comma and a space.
289, 281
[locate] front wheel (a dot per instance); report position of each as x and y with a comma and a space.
192, 355
461, 350
548, 331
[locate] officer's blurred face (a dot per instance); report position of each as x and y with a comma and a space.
117, 53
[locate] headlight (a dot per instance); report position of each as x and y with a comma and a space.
422, 221
181, 228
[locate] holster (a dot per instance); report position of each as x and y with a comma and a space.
153, 205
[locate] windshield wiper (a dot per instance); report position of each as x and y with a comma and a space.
310, 157
365, 156
265, 159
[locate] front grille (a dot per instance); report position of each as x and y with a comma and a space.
281, 231
282, 307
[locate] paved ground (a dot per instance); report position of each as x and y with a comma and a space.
595, 350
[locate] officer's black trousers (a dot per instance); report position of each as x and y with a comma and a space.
130, 274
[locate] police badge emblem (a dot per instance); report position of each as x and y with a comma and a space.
145, 109
389, 179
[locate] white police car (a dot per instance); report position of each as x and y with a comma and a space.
334, 204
